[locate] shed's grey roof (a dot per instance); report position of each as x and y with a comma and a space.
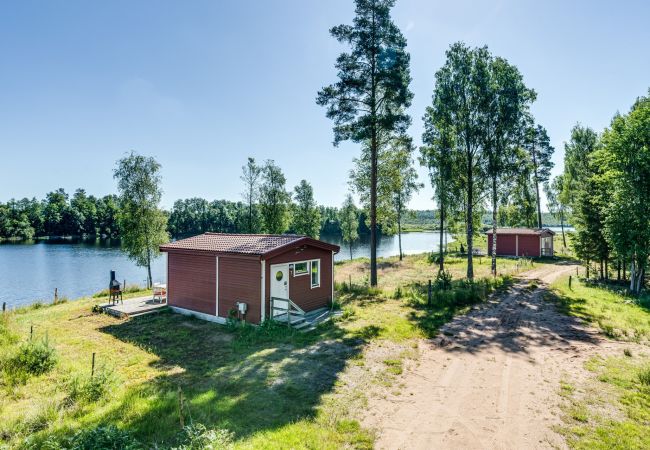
533, 231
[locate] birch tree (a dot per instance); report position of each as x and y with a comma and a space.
349, 221
142, 223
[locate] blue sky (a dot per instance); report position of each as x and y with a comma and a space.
201, 85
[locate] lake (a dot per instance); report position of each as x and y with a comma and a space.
30, 271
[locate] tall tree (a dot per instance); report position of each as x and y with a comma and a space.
349, 220
460, 97
368, 103
142, 223
540, 152
506, 104
625, 156
437, 155
251, 174
556, 202
306, 216
402, 177
583, 189
274, 199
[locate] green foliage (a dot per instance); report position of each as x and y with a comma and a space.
101, 438
471, 132
625, 156
443, 280
92, 388
274, 199
349, 221
198, 437
143, 224
306, 218
251, 174
644, 376
33, 358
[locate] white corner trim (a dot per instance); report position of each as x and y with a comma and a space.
263, 290
516, 245
217, 288
199, 315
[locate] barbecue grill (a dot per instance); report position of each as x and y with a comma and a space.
114, 289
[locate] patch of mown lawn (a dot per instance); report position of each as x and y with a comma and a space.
613, 411
619, 316
271, 386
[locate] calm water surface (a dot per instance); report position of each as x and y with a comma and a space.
29, 272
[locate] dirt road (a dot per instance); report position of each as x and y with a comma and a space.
491, 380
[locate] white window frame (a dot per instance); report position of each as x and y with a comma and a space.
304, 273
311, 281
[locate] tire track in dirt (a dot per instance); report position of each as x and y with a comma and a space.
491, 379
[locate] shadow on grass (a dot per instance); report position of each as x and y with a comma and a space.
246, 380
516, 316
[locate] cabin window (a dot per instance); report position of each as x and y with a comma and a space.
279, 275
315, 273
300, 269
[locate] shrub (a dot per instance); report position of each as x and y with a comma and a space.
90, 389
32, 358
644, 376
198, 437
443, 280
101, 438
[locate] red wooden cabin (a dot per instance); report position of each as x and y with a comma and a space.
252, 276
528, 242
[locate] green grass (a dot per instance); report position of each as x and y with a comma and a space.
393, 273
613, 413
617, 315
612, 409
272, 387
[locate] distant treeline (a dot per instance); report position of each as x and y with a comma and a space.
197, 215
60, 214
427, 219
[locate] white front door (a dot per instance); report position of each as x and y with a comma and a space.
280, 281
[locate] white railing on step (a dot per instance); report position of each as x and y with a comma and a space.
285, 307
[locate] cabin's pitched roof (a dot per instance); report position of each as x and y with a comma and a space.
245, 244
520, 231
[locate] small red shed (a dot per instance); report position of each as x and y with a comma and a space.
531, 242
212, 274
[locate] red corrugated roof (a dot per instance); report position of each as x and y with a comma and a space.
533, 231
247, 244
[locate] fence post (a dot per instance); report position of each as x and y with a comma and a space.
180, 407
4, 307
350, 284
569, 281
31, 332
429, 294
92, 370
56, 295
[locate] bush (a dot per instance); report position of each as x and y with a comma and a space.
198, 437
91, 389
644, 376
100, 438
443, 280
32, 358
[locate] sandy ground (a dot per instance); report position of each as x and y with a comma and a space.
491, 380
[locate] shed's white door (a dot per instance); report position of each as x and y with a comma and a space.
280, 281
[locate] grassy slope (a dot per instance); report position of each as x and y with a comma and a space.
271, 388
415, 268
612, 410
